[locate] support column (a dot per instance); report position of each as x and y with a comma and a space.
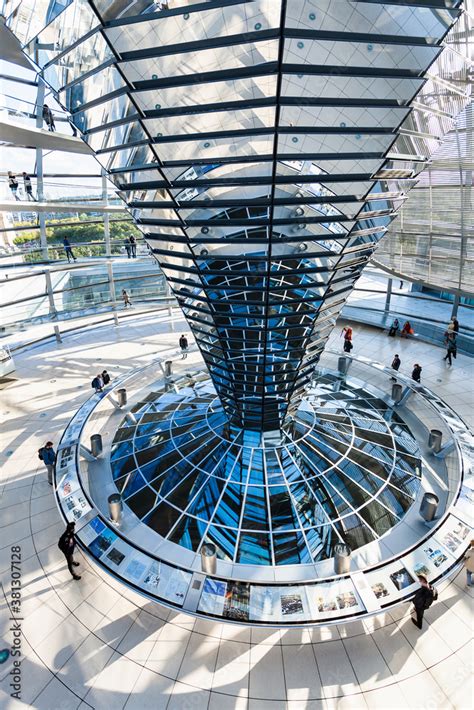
388, 297
52, 306
39, 170
113, 299
106, 217
454, 312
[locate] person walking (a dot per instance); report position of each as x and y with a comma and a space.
347, 347
68, 250
133, 246
28, 187
396, 362
416, 372
452, 349
183, 344
105, 377
469, 563
128, 247
97, 384
394, 328
13, 185
126, 299
423, 599
47, 455
48, 118
67, 544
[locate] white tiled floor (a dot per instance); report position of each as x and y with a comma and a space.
96, 644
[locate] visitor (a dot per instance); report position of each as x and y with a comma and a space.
105, 377
183, 344
48, 118
407, 330
347, 345
455, 323
451, 351
68, 250
133, 246
97, 384
128, 247
13, 184
423, 599
394, 328
67, 544
48, 456
396, 362
126, 299
416, 373
28, 187
469, 563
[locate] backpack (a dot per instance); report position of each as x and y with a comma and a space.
40, 454
62, 543
433, 597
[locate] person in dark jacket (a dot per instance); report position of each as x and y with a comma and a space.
67, 544
49, 459
128, 247
394, 328
48, 118
422, 600
105, 377
416, 373
133, 246
13, 184
455, 323
98, 383
68, 250
452, 349
28, 187
183, 344
396, 362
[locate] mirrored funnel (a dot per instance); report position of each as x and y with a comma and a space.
263, 148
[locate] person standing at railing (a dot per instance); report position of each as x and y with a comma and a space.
128, 247
68, 250
28, 187
13, 184
133, 243
48, 118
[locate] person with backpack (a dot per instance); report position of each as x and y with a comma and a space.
452, 348
183, 344
47, 455
396, 362
67, 544
97, 384
423, 599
